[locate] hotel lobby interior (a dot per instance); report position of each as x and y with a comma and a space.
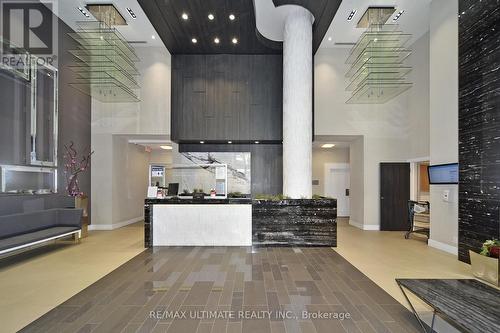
249, 166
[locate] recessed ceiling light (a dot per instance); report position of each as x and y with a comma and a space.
202, 142
216, 40
184, 16
328, 145
194, 40
131, 12
398, 15
232, 17
235, 40
166, 147
211, 17
351, 15
329, 39
153, 37
84, 12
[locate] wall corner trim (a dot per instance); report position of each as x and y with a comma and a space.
443, 247
115, 225
366, 227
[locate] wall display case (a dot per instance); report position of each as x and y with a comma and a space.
16, 179
28, 130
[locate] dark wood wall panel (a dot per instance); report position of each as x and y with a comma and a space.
266, 164
479, 124
227, 97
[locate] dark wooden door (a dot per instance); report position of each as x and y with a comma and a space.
394, 196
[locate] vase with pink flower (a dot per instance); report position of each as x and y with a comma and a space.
75, 165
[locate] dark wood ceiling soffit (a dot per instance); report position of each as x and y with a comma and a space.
177, 33
323, 11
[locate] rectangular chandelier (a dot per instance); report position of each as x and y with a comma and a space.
106, 63
377, 71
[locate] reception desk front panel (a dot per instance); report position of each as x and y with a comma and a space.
216, 222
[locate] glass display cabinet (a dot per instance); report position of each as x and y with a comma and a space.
28, 126
15, 179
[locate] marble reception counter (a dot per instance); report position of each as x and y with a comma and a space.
197, 222
240, 222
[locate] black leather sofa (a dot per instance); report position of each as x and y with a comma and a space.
18, 231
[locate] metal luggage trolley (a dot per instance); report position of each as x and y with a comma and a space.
423, 226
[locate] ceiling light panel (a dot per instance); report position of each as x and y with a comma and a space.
351, 15
131, 13
398, 15
84, 12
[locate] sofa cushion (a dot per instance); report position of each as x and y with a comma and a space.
18, 224
31, 237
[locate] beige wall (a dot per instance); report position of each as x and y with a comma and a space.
160, 156
150, 116
130, 181
444, 119
357, 189
393, 132
321, 157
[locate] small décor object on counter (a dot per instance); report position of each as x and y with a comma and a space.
213, 193
73, 166
485, 264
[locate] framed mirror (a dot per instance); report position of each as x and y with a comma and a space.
44, 114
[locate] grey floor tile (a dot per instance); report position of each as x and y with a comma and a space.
165, 280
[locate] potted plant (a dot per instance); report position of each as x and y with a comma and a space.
73, 166
485, 264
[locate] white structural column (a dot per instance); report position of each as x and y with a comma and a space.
297, 104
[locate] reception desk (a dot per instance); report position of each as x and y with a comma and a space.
201, 222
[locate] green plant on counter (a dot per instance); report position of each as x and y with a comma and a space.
235, 195
279, 197
185, 192
488, 246
317, 196
198, 190
270, 197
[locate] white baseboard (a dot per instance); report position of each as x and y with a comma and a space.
114, 225
368, 227
443, 247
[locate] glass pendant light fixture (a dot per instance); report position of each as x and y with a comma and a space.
105, 64
377, 71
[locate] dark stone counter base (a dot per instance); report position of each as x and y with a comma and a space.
295, 222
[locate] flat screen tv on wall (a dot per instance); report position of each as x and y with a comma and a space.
443, 174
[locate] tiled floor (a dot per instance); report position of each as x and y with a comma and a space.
34, 282
234, 285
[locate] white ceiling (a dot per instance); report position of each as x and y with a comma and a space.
415, 20
139, 29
